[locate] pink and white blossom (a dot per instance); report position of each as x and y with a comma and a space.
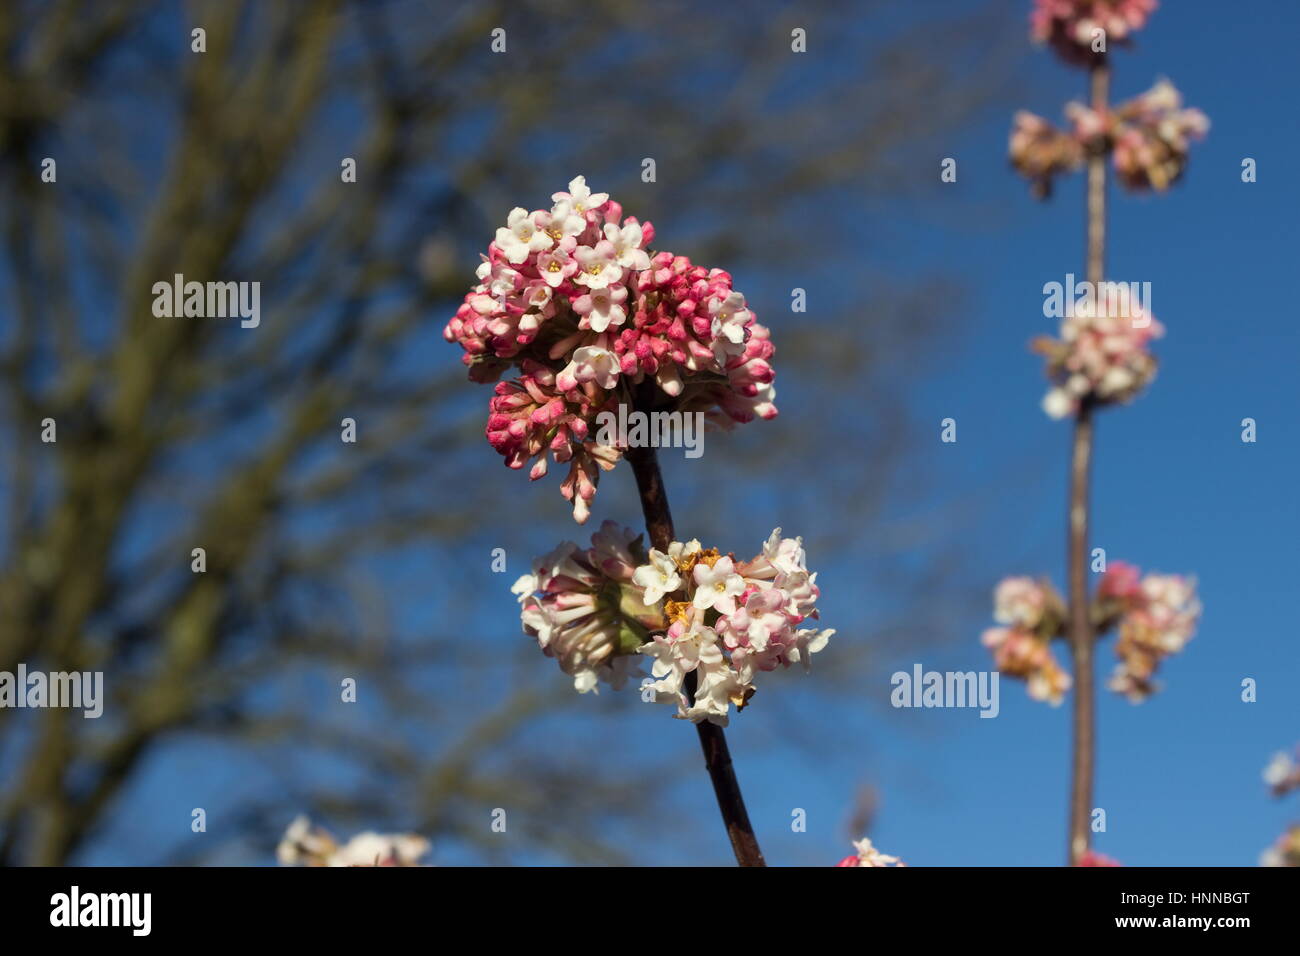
1020, 601
1156, 622
1103, 355
591, 363
658, 577
1152, 138
532, 418
306, 845
597, 267
522, 236
1156, 616
717, 586
868, 855
1284, 852
1148, 137
573, 298
583, 609
1071, 26
1283, 773
1025, 654
580, 197
601, 308
1093, 858
751, 609
692, 611
1040, 152
626, 242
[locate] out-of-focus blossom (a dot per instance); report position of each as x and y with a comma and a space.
1093, 858
1285, 852
1089, 128
305, 845
1121, 583
1158, 622
1152, 137
573, 298
1024, 603
1070, 25
1103, 354
1040, 152
691, 610
1283, 773
1156, 616
582, 607
868, 855
1021, 653
1120, 589
1032, 614
1149, 139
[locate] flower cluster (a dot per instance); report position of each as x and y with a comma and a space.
1152, 138
1039, 152
1032, 614
1283, 773
1286, 851
868, 855
1149, 139
1103, 355
1069, 25
584, 610
305, 845
728, 620
1093, 858
575, 300
1156, 616
710, 623
1282, 776
1150, 135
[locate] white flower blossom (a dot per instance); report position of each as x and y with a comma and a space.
581, 197
717, 586
658, 578
521, 236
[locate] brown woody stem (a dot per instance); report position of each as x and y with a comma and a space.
1081, 631
717, 758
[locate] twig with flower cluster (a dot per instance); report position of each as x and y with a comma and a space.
572, 298
1102, 358
713, 741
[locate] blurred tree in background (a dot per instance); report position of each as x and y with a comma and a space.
327, 560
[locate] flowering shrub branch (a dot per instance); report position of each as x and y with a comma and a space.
1102, 357
594, 322
573, 298
717, 755
1154, 615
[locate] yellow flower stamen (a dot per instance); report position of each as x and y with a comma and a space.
677, 611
